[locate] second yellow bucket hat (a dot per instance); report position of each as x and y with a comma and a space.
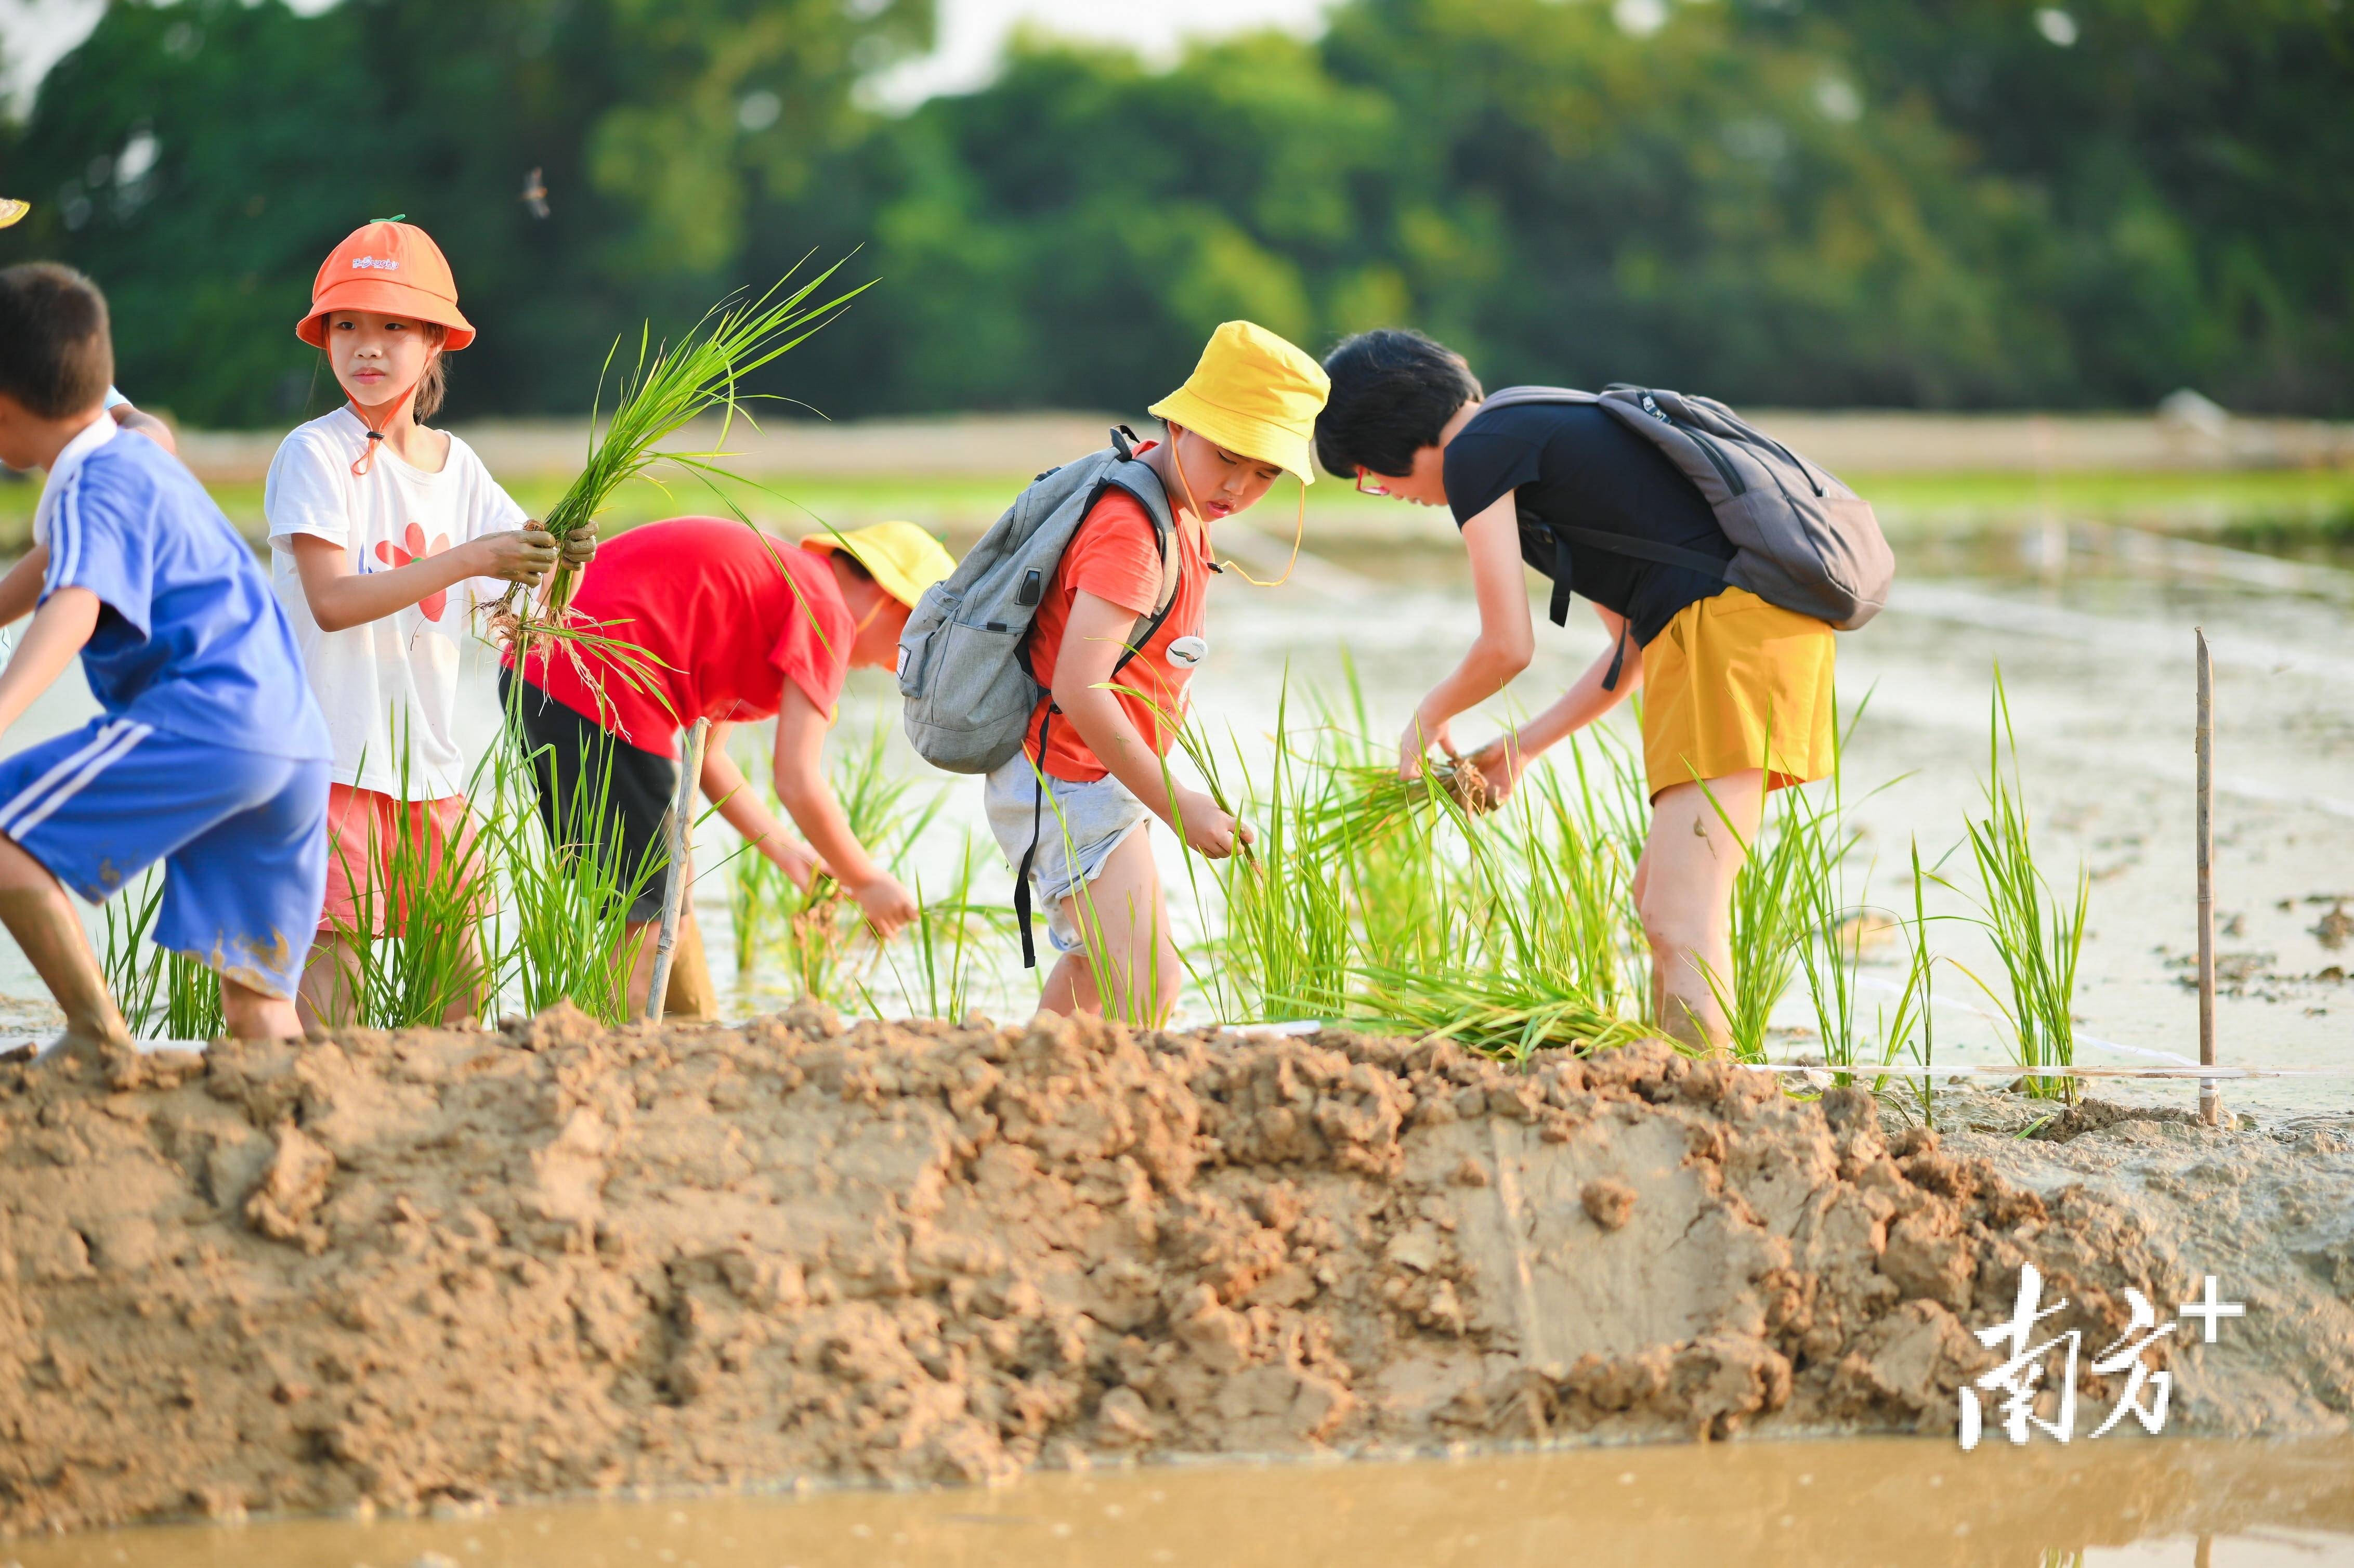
900, 556
1253, 393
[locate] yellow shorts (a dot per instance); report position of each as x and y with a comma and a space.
1730, 677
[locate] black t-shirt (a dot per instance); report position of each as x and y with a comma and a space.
1576, 463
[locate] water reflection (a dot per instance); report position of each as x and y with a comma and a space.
1884, 1501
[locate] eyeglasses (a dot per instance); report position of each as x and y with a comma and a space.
1364, 489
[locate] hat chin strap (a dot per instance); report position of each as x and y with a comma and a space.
367, 460
1298, 531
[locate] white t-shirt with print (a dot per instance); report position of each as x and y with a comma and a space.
392, 682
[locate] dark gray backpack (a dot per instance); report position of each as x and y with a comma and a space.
1801, 539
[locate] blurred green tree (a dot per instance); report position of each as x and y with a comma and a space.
200, 158
2191, 163
1954, 203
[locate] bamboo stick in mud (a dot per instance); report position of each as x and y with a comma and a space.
2209, 1107
681, 834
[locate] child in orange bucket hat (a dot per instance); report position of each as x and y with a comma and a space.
383, 534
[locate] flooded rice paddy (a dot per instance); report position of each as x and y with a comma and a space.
1913, 1502
2092, 627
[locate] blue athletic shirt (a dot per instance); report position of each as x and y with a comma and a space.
190, 639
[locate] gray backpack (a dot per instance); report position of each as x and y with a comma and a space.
969, 692
1801, 539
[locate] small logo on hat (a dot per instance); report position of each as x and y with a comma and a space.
381, 264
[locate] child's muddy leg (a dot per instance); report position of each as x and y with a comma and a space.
465, 1008
42, 919
251, 1014
1070, 987
1129, 970
1684, 894
323, 999
690, 993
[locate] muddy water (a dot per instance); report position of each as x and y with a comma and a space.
2092, 627
1915, 1503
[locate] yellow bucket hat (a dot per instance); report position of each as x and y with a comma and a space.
901, 556
1255, 393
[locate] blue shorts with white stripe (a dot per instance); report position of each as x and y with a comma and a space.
242, 838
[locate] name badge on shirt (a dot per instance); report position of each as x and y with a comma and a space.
1188, 651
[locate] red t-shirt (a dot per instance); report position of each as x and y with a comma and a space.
731, 612
1116, 557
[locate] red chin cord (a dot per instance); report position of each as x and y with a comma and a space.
367, 459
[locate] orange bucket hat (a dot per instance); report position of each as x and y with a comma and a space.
394, 268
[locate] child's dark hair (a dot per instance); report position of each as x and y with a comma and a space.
1393, 391
57, 355
434, 384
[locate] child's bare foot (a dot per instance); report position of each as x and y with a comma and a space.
36, 913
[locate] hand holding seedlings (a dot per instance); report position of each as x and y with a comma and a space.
1468, 787
888, 904
1209, 829
1419, 737
1497, 767
523, 554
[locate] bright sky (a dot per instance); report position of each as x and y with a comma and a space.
972, 34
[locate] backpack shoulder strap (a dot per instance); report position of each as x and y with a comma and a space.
1514, 397
1137, 477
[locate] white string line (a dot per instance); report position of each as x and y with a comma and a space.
2013, 1070
1976, 1011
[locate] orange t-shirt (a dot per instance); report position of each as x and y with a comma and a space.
1115, 555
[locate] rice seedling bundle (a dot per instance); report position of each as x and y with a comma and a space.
1504, 1013
1369, 800
670, 385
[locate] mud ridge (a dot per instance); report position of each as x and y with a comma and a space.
406, 1271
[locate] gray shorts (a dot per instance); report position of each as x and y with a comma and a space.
1079, 826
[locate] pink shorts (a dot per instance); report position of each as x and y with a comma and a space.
376, 869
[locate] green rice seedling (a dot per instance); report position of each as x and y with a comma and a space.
945, 936
1566, 900
1286, 930
1505, 1015
567, 911
440, 894
1390, 884
1831, 947
755, 885
1771, 900
126, 919
672, 385
813, 931
175, 996
2038, 935
1614, 789
1368, 801
1910, 1027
